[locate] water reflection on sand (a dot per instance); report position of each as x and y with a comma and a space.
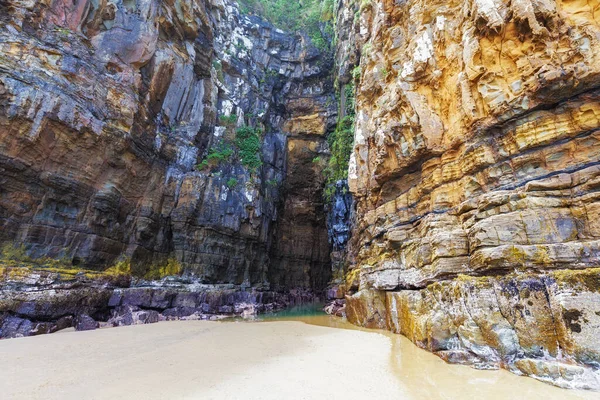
426, 376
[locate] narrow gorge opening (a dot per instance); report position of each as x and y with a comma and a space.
195, 171
427, 169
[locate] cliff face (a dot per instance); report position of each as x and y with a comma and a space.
181, 138
475, 174
157, 138
107, 108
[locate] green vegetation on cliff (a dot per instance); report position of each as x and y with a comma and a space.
311, 16
217, 154
341, 142
247, 140
242, 144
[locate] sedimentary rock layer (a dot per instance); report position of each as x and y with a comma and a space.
477, 152
107, 107
544, 326
39, 300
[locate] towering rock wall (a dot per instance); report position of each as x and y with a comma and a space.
300, 254
475, 175
156, 139
106, 109
340, 205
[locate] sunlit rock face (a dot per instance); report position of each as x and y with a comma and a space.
476, 154
107, 107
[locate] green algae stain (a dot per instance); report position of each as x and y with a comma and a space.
121, 267
16, 264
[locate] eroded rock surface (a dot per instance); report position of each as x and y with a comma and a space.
108, 110
38, 300
476, 154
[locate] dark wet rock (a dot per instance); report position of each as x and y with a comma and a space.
186, 299
84, 322
52, 304
122, 315
132, 315
339, 216
13, 327
137, 297
179, 312
340, 211
62, 323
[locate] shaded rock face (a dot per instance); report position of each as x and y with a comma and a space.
105, 110
476, 154
300, 254
339, 216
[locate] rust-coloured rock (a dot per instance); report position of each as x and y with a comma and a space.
476, 153
366, 308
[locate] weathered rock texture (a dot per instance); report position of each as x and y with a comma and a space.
37, 300
339, 216
477, 150
105, 110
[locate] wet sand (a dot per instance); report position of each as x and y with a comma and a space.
320, 358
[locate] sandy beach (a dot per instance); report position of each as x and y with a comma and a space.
245, 360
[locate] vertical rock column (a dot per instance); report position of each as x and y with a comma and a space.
300, 255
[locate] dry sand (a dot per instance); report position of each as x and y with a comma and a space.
245, 360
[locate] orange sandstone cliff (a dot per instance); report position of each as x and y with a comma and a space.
475, 173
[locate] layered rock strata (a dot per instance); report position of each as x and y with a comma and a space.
38, 300
108, 107
118, 142
475, 175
